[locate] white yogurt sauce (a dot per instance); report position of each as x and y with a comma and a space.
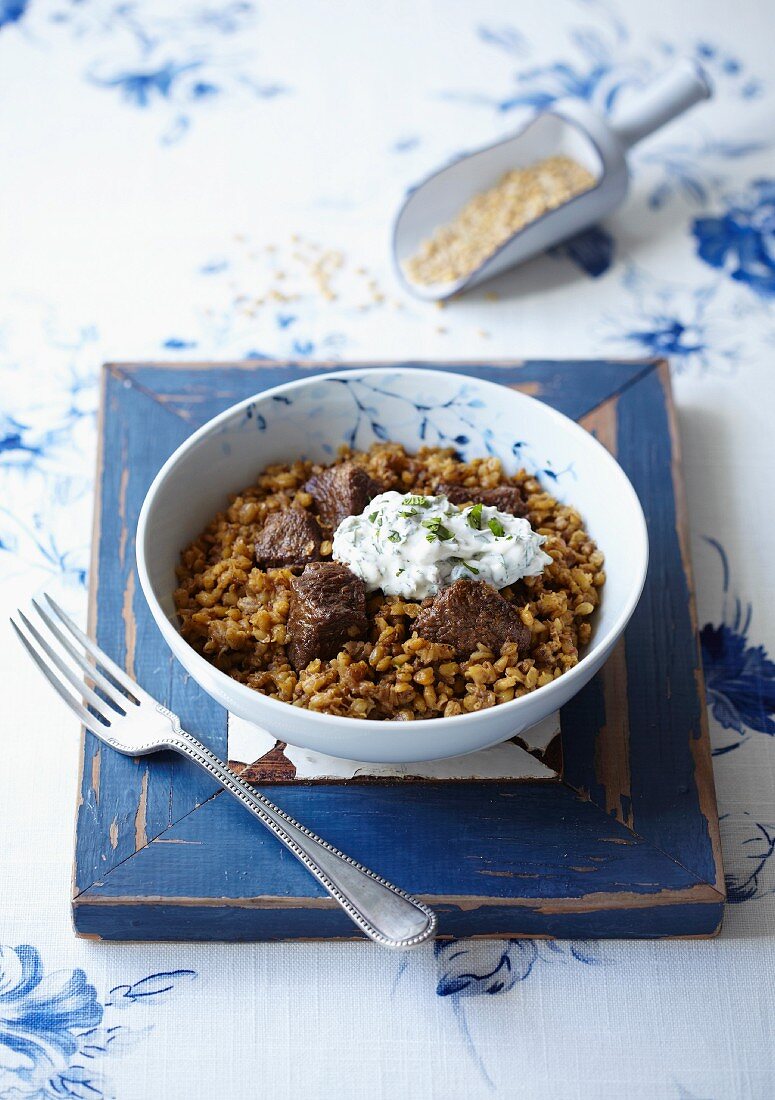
412, 546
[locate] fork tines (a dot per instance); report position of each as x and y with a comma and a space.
117, 692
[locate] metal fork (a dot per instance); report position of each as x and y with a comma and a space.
131, 721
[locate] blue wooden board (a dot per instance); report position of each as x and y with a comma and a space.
625, 843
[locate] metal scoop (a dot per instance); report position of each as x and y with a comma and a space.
572, 129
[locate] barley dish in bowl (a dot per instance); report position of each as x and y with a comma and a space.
262, 569
343, 558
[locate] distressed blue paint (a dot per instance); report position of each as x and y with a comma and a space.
581, 720
541, 840
138, 434
245, 925
573, 387
662, 648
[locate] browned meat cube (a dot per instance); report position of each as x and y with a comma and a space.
328, 608
341, 491
288, 538
506, 498
469, 612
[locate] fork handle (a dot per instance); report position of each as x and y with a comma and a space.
387, 915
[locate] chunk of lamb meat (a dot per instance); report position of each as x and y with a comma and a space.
288, 538
327, 609
506, 498
341, 491
469, 612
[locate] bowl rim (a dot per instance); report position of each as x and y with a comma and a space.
248, 695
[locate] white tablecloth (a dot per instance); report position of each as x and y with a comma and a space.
150, 153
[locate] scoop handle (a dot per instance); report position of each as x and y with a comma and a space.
669, 96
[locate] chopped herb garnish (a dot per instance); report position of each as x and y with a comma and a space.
408, 515
475, 517
496, 527
394, 536
399, 572
437, 529
420, 502
466, 565
373, 516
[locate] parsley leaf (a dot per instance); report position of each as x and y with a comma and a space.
373, 516
437, 529
394, 536
475, 517
496, 527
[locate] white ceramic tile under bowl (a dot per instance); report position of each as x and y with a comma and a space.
248, 744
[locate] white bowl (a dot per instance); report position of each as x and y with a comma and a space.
412, 406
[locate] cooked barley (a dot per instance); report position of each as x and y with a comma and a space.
235, 615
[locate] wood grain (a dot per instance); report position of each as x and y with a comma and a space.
625, 845
611, 750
